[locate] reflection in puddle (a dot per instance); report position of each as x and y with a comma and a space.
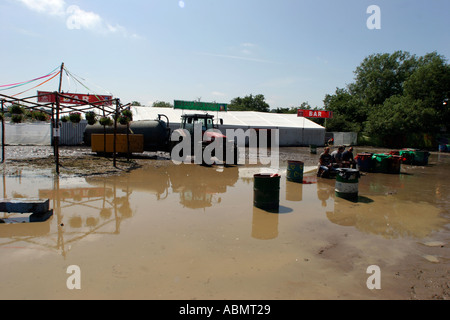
388, 217
198, 225
98, 205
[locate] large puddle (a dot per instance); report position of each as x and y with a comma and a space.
192, 232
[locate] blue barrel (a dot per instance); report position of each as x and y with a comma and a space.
295, 171
266, 191
442, 148
364, 161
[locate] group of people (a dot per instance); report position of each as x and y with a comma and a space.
339, 158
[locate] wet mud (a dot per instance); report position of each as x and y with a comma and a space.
155, 230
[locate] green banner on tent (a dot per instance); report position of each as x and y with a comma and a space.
196, 105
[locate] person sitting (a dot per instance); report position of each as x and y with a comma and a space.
336, 157
330, 141
348, 160
325, 164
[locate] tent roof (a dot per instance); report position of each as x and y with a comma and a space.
233, 118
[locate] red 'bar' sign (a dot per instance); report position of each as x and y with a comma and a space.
74, 98
315, 113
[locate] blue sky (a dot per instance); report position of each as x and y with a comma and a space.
291, 51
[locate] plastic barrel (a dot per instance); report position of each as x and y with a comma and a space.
295, 171
421, 157
394, 164
266, 191
347, 181
313, 148
364, 161
442, 148
408, 156
380, 162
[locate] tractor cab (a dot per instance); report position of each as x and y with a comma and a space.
189, 120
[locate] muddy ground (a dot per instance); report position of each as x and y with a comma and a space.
423, 279
82, 161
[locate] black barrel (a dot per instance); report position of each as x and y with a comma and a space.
266, 191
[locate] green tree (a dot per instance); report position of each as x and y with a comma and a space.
396, 98
349, 113
430, 82
381, 76
401, 120
162, 104
249, 103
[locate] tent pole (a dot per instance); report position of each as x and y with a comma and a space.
116, 115
56, 133
3, 134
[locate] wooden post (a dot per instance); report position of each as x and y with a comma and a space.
57, 132
116, 115
104, 135
3, 135
128, 141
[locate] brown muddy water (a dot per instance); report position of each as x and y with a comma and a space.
167, 231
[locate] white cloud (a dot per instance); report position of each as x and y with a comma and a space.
218, 94
54, 7
76, 18
80, 19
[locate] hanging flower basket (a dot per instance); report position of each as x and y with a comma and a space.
16, 118
75, 117
105, 121
64, 119
39, 115
91, 117
124, 120
16, 109
127, 113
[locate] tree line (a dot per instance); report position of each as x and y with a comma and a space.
396, 100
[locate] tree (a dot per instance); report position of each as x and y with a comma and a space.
430, 82
349, 113
249, 103
395, 97
381, 76
162, 104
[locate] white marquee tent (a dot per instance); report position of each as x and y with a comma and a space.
293, 130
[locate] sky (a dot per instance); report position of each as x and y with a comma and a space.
290, 51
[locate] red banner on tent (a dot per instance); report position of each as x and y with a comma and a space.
315, 113
74, 98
